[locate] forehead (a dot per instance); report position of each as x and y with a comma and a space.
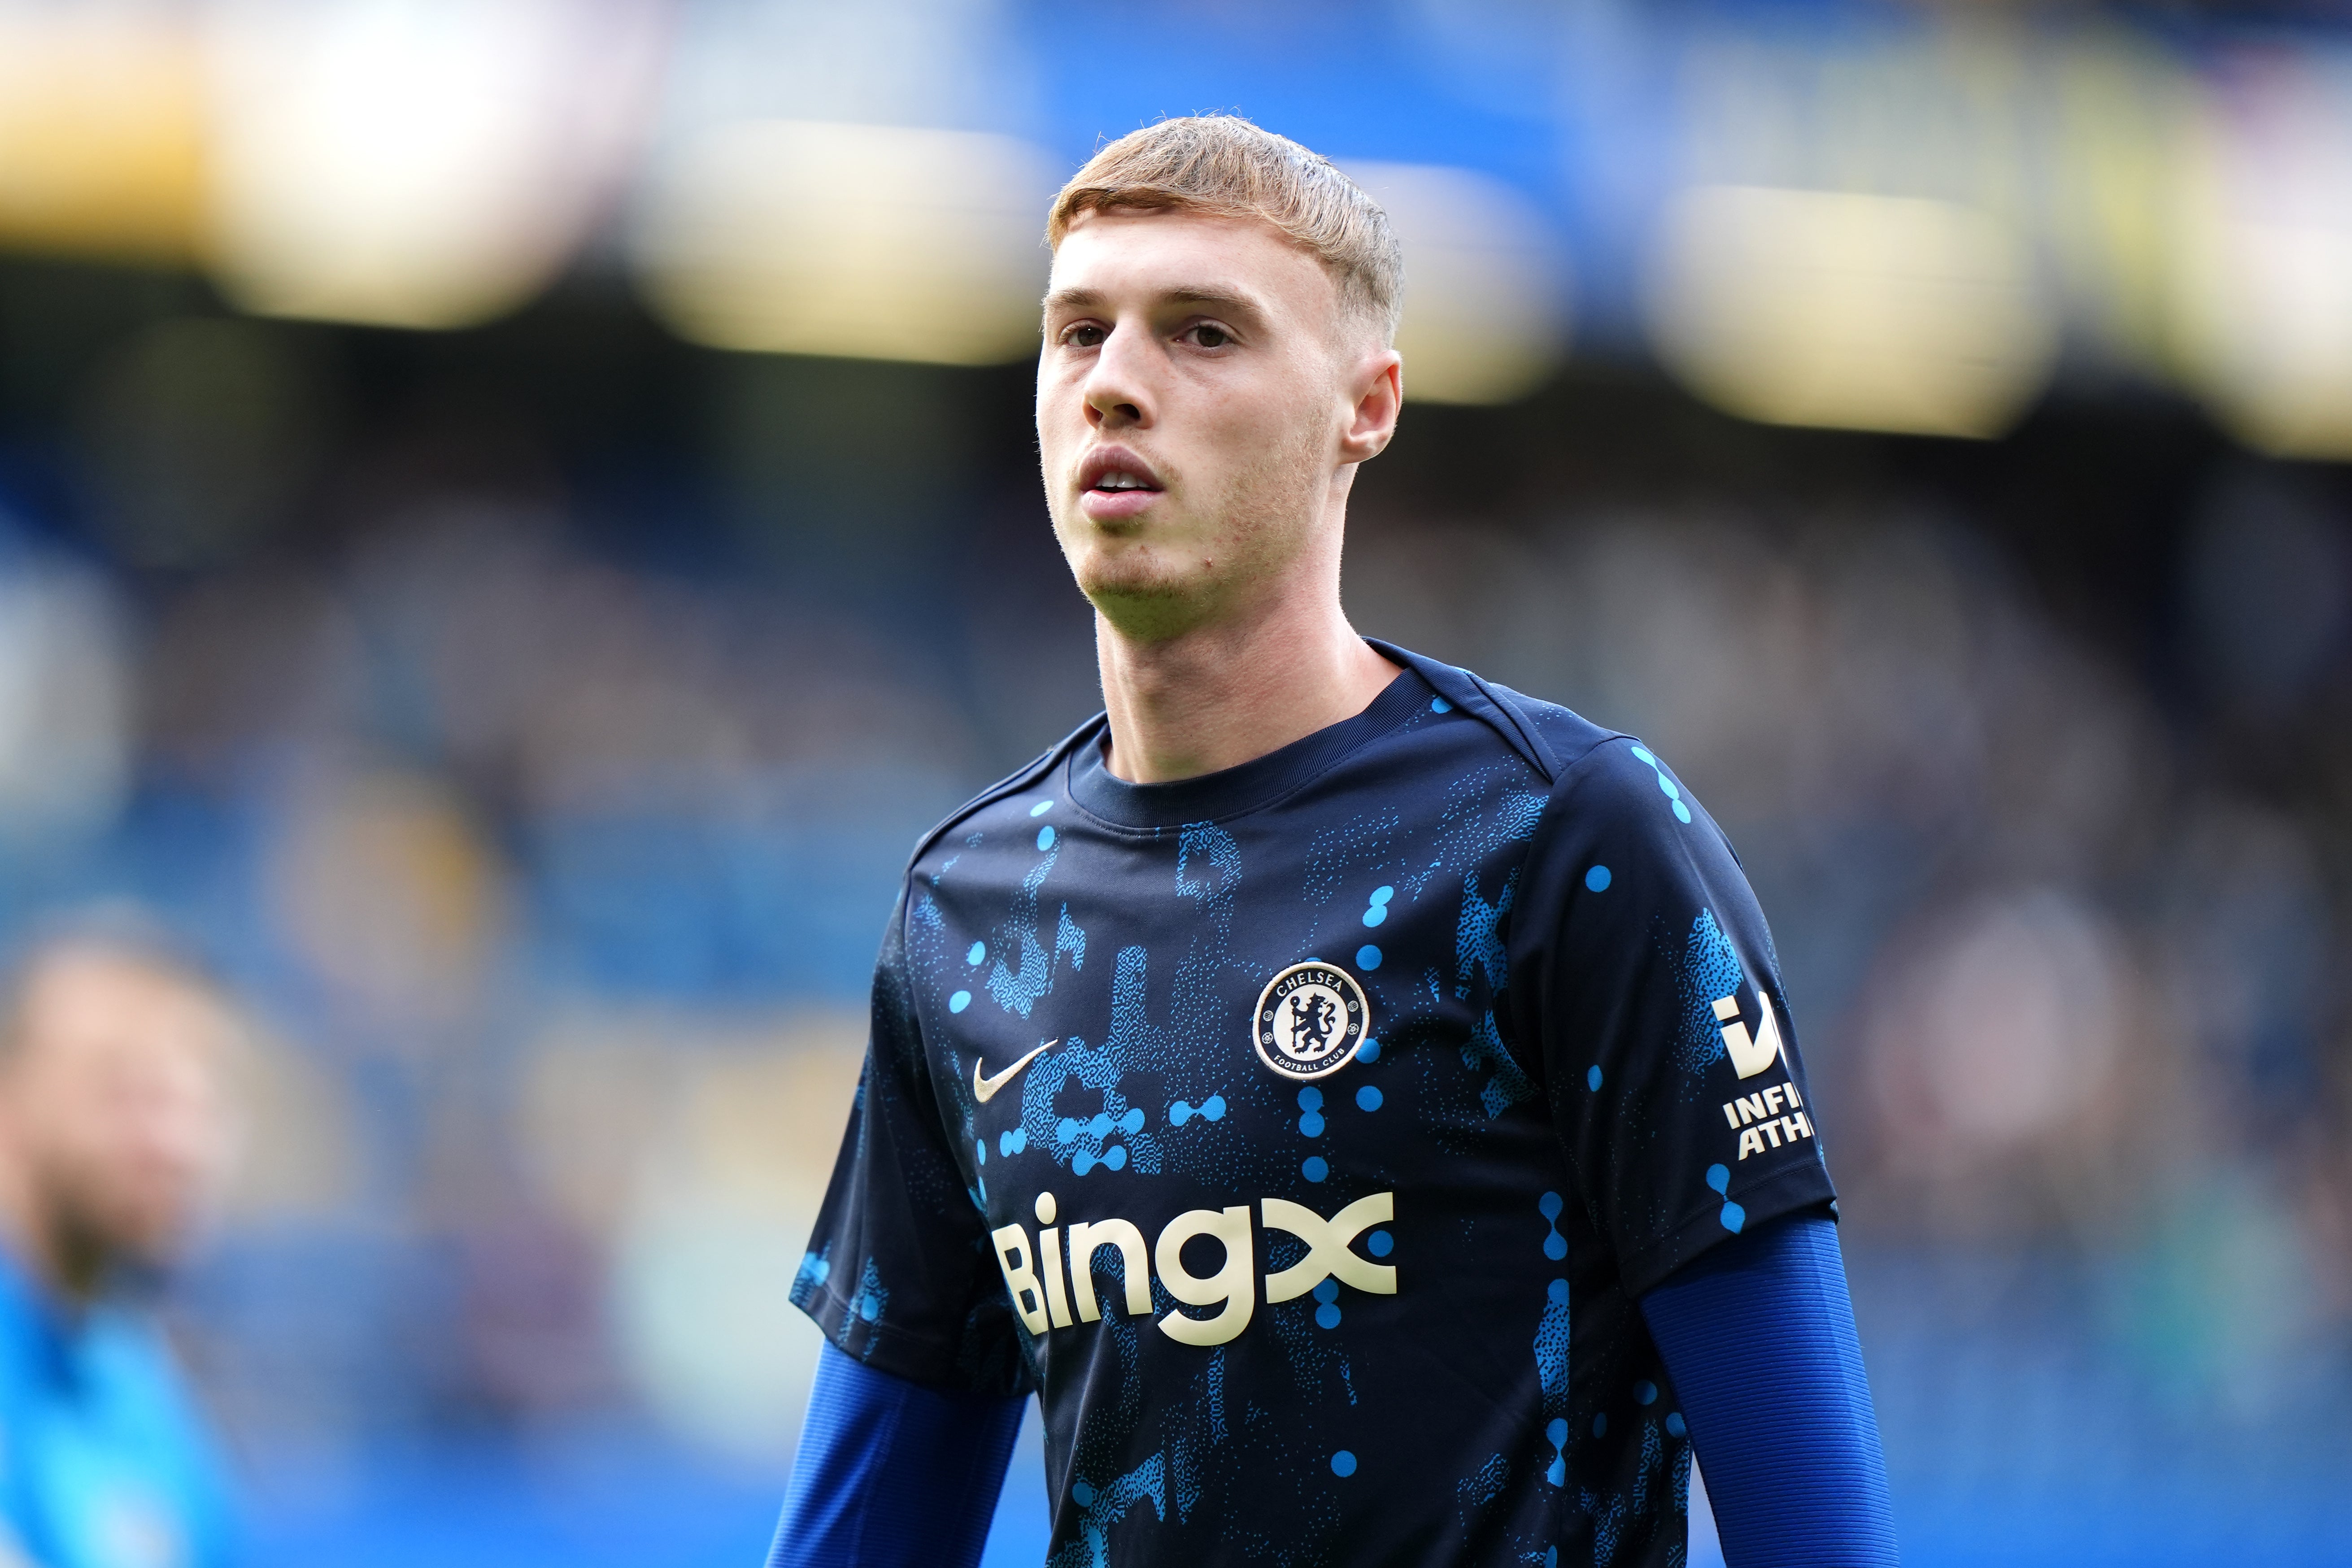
1130, 257
78, 1006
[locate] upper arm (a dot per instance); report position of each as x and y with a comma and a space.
1646, 983
893, 1474
898, 1271
1759, 1345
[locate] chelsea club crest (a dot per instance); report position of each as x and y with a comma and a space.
1310, 1018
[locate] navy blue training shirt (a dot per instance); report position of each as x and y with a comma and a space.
1305, 1133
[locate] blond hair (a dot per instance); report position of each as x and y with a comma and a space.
1223, 165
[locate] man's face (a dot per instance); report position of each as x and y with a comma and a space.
114, 1093
1196, 391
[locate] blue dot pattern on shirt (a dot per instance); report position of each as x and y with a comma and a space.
1560, 974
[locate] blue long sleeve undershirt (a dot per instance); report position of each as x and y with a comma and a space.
1757, 1336
893, 1474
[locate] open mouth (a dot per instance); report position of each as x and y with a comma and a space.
1116, 479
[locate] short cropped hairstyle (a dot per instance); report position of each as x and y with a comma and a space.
1223, 165
122, 932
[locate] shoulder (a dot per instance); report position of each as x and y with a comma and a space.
1028, 776
1580, 751
1551, 739
1599, 769
127, 1348
1600, 779
128, 1366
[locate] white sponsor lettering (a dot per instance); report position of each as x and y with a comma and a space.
1229, 1288
1013, 1256
1045, 1288
1328, 1243
1749, 1056
1049, 1259
1135, 1270
1758, 1107
1774, 1133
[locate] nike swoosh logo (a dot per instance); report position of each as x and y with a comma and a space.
983, 1088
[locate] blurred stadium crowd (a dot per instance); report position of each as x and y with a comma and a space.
550, 838
531, 721
2062, 925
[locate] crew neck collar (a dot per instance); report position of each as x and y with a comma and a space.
1234, 790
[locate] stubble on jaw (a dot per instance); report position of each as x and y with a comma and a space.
1152, 587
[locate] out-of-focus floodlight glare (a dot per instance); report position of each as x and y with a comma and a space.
860, 241
102, 132
1485, 317
414, 162
2265, 303
1854, 311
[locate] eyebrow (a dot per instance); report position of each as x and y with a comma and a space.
1228, 301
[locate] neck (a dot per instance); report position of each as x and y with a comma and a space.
68, 1273
1217, 695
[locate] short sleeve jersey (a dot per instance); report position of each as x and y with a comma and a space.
1305, 1135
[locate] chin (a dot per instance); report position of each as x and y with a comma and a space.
1149, 603
153, 1254
149, 1237
1139, 580
1124, 569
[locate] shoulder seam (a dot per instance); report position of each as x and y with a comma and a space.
1011, 783
1501, 710
1546, 762
1594, 751
1453, 683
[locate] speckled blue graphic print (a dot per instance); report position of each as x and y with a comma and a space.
1314, 1315
1708, 969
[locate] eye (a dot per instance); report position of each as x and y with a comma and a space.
1085, 335
1209, 335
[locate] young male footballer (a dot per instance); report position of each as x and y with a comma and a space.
1358, 1100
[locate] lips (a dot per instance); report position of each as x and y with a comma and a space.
1115, 470
1115, 483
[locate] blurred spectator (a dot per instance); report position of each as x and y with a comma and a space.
114, 1132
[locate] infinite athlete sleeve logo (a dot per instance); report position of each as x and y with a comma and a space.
1776, 1114
1309, 1020
1749, 1056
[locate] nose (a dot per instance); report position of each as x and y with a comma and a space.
182, 1130
1119, 388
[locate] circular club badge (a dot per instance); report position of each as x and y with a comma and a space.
1310, 1019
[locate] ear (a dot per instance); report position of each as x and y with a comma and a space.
1376, 385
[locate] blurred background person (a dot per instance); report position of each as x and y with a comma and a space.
114, 1136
